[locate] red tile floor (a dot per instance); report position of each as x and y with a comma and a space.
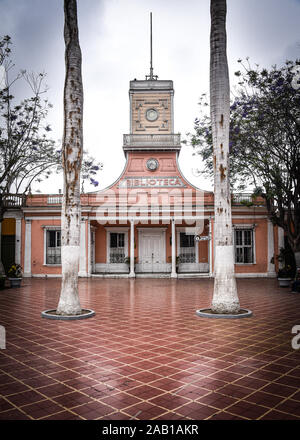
146, 355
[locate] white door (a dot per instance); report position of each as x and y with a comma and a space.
151, 251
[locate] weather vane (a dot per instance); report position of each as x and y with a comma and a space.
151, 76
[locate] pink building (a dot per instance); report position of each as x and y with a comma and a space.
151, 221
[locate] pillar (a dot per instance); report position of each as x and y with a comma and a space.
89, 244
82, 259
27, 253
18, 241
131, 273
173, 272
210, 254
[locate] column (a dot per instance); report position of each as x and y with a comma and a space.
210, 258
18, 241
271, 266
89, 261
173, 273
82, 259
27, 254
132, 273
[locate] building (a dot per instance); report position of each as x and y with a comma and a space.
151, 221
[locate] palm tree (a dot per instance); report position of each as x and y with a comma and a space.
225, 297
71, 157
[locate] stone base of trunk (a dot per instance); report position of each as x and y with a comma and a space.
208, 313
51, 314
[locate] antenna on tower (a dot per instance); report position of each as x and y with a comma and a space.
151, 76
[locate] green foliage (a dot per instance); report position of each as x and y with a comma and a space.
286, 272
264, 141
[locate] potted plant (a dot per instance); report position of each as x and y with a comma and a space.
127, 261
285, 276
15, 275
177, 262
296, 282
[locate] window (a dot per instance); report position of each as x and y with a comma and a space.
187, 248
117, 248
53, 247
244, 246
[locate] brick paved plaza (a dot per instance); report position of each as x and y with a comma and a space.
146, 355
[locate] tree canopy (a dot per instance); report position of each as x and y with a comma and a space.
264, 140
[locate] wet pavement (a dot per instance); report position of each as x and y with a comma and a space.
146, 355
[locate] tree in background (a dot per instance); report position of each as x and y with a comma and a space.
69, 303
27, 154
264, 141
225, 297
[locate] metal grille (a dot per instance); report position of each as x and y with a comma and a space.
117, 256
187, 255
117, 248
187, 248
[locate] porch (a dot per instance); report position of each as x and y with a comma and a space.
159, 249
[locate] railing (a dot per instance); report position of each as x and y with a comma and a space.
247, 198
44, 200
187, 255
149, 140
98, 199
117, 255
13, 200
54, 200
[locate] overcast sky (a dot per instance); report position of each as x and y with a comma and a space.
114, 38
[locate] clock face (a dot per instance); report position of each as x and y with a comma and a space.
152, 164
151, 114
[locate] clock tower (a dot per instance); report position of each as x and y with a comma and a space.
151, 106
151, 120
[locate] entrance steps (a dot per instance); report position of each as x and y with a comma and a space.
151, 275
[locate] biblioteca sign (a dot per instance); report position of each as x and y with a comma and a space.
152, 182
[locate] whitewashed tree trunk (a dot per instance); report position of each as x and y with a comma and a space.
72, 158
225, 297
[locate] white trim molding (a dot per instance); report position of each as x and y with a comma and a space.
255, 275
49, 228
18, 240
253, 227
116, 230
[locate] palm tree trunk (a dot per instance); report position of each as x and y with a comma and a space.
225, 298
72, 157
